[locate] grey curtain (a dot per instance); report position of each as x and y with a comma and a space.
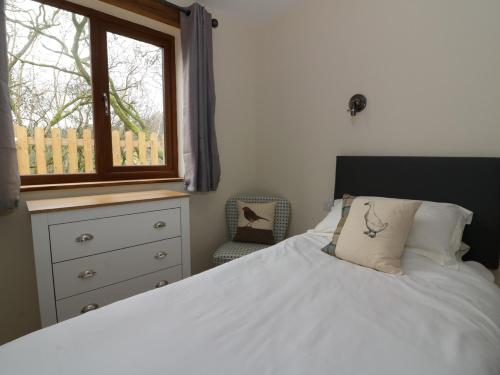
201, 155
9, 175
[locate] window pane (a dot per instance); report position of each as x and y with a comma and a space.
136, 101
50, 88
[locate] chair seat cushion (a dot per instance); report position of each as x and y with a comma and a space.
233, 250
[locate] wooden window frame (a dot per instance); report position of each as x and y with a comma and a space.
153, 9
100, 23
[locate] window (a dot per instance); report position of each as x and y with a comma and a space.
92, 96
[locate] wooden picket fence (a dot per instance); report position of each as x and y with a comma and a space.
135, 147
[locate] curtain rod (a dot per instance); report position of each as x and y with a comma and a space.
187, 12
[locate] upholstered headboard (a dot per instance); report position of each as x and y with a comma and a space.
473, 183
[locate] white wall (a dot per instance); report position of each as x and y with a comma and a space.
234, 55
429, 69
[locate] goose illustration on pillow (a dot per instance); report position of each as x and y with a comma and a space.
373, 223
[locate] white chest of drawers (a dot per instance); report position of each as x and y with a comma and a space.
95, 250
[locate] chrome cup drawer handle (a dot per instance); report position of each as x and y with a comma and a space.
87, 274
161, 255
84, 238
159, 225
161, 283
86, 309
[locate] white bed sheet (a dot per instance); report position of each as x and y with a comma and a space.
289, 309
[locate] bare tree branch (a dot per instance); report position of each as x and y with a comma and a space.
79, 26
55, 67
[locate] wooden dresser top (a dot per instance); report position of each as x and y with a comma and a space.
72, 203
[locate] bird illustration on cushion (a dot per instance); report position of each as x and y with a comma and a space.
373, 223
251, 216
255, 222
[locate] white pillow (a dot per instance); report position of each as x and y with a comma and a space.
437, 231
328, 225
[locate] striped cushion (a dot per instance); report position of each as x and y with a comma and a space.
346, 207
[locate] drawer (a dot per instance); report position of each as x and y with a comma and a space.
77, 305
93, 272
84, 238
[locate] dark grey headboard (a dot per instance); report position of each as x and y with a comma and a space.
473, 183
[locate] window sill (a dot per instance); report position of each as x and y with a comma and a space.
79, 185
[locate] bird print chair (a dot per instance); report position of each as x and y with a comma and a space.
233, 250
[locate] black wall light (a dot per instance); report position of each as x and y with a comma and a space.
357, 104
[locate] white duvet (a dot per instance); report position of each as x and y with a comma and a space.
289, 309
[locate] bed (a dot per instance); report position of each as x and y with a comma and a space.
292, 309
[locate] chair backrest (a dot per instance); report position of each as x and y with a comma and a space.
281, 214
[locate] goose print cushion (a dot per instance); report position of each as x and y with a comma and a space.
375, 232
255, 222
